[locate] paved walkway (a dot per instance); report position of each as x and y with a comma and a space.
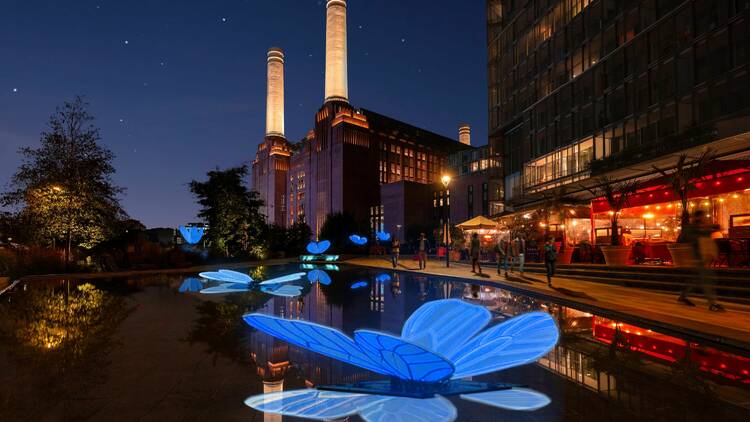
632, 305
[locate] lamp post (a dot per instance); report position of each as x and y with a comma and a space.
446, 181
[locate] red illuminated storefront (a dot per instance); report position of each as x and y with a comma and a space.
653, 217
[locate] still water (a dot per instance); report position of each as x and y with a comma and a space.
149, 348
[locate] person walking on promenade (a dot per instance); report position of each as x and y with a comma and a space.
395, 251
422, 251
550, 257
501, 251
704, 249
474, 250
517, 252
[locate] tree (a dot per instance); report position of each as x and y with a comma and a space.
617, 195
65, 186
338, 227
232, 212
682, 180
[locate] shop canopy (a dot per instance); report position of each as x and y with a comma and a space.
478, 223
720, 176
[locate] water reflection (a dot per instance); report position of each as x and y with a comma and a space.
56, 341
596, 370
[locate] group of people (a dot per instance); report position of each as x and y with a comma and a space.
422, 247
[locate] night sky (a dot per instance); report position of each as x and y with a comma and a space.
178, 87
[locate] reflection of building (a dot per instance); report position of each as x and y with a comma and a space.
584, 88
349, 154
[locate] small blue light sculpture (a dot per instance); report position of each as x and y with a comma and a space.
192, 235
358, 285
190, 284
441, 343
319, 276
382, 278
358, 240
234, 281
317, 248
383, 236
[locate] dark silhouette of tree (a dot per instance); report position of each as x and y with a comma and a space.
65, 185
232, 212
338, 227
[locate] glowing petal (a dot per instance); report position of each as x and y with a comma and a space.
512, 399
319, 276
312, 404
318, 338
283, 279
283, 291
518, 341
316, 248
402, 409
403, 359
191, 284
227, 275
226, 288
445, 325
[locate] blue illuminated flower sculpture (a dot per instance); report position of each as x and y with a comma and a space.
358, 240
383, 236
192, 235
317, 249
234, 281
440, 344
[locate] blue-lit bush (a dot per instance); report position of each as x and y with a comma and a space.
192, 235
358, 240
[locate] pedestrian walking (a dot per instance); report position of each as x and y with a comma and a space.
422, 251
474, 250
704, 249
395, 251
501, 252
550, 257
517, 253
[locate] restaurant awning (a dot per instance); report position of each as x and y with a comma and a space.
721, 176
477, 223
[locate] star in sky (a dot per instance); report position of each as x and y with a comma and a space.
223, 19
127, 42
15, 89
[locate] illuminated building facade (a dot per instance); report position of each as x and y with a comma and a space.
271, 164
584, 88
342, 163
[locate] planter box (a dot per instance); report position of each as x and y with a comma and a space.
616, 256
565, 256
682, 254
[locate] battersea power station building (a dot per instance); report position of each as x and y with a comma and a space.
378, 169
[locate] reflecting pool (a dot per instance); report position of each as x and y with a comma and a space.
155, 348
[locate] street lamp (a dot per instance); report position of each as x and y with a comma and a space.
446, 181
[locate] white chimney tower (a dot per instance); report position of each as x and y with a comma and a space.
464, 134
336, 75
275, 93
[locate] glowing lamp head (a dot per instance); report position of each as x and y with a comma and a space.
446, 180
